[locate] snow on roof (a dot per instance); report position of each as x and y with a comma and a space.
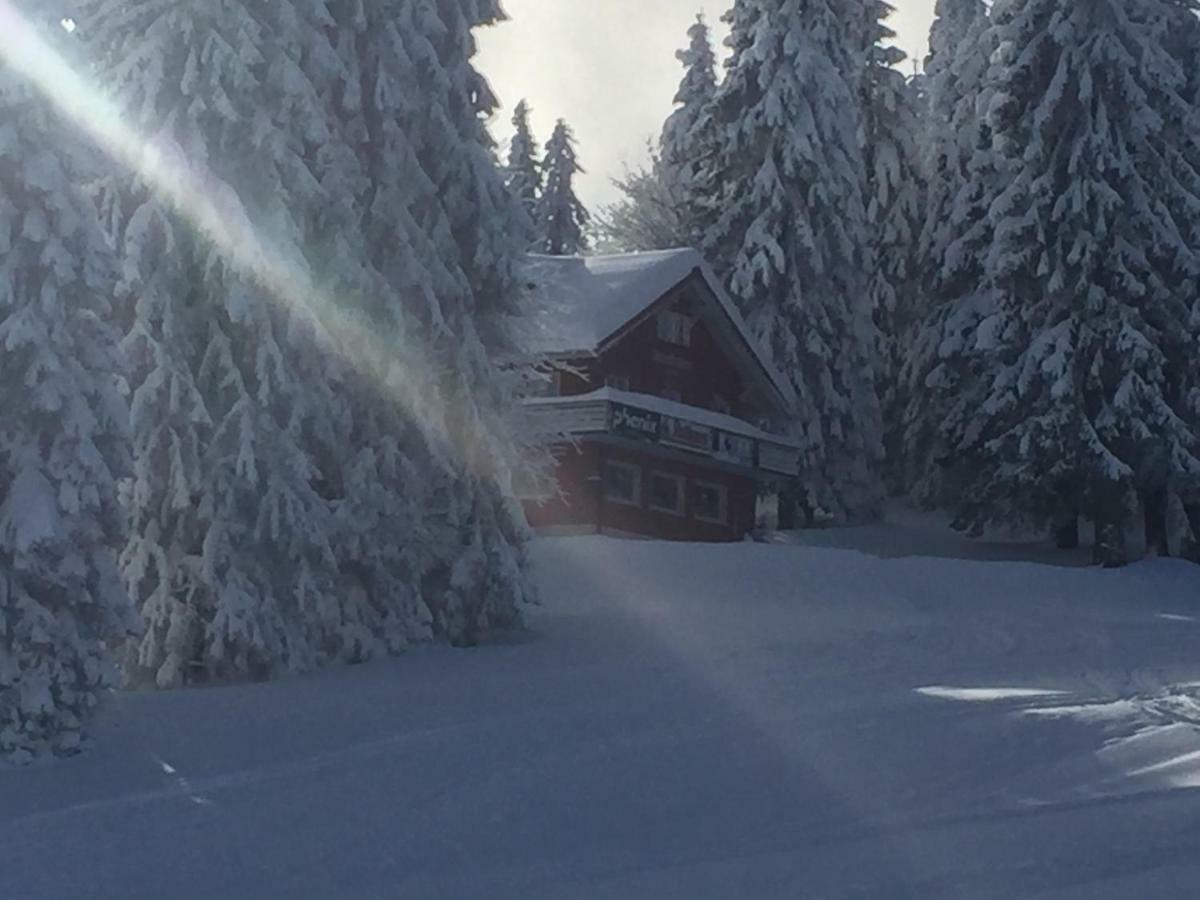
576, 303
665, 407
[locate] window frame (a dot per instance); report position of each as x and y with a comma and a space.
636, 501
674, 328
723, 502
680, 482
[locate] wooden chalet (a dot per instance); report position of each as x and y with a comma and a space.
660, 405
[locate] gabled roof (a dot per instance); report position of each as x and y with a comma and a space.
579, 304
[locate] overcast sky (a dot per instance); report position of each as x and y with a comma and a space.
609, 68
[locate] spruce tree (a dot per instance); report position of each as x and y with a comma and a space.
561, 217
690, 136
452, 289
63, 425
664, 203
941, 377
405, 470
1182, 500
370, 449
229, 558
954, 73
488, 582
792, 239
894, 193
1083, 408
524, 173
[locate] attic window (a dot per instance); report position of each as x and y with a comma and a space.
675, 328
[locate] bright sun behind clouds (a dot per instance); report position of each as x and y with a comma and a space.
609, 68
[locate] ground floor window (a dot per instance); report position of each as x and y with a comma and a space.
710, 502
666, 493
622, 483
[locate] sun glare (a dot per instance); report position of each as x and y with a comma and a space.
213, 210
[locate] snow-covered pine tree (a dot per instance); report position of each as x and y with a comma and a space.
395, 536
721, 243
940, 377
690, 137
953, 22
894, 194
230, 548
342, 342
562, 218
524, 172
665, 203
792, 238
63, 426
1182, 503
1083, 409
488, 583
954, 72
439, 193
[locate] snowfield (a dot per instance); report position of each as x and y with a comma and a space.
679, 721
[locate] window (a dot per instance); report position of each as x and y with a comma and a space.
623, 483
675, 328
710, 502
666, 493
617, 382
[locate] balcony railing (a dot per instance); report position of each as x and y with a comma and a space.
655, 421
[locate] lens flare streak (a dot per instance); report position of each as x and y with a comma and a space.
400, 367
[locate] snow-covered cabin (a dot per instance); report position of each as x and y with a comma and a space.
661, 405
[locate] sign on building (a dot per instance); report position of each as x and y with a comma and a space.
635, 423
736, 449
687, 435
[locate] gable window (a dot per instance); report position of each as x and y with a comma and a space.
617, 382
675, 328
666, 493
623, 483
710, 502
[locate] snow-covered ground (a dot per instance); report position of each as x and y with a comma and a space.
680, 721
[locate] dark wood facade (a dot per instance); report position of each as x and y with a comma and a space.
585, 507
699, 372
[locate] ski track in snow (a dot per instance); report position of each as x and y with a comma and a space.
679, 721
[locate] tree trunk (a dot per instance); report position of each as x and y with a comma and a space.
1110, 517
787, 509
1066, 534
1154, 511
1191, 550
1109, 550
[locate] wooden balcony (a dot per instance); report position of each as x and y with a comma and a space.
664, 427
